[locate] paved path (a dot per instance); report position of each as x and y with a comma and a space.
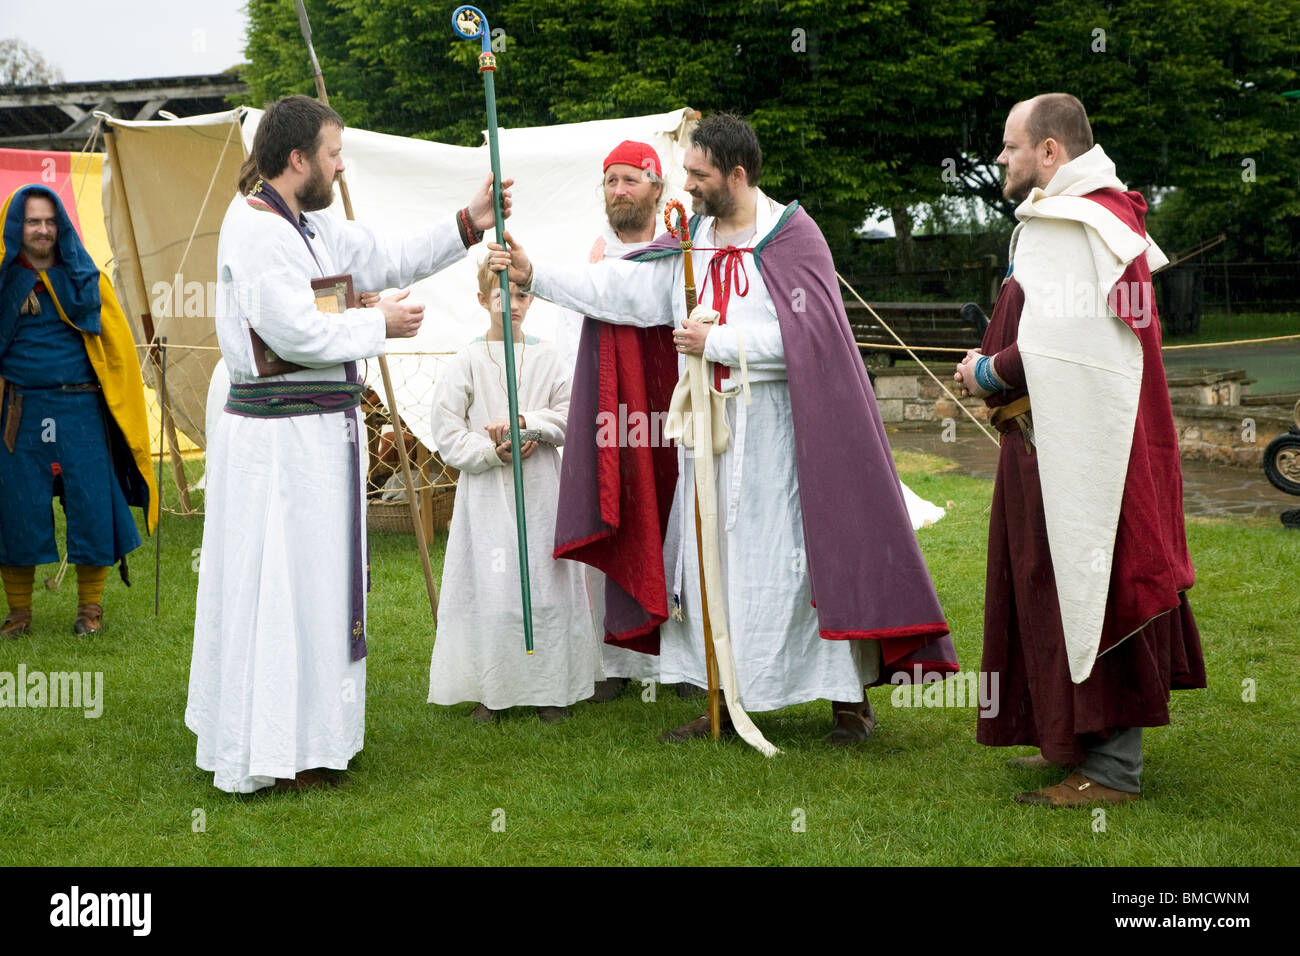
1209, 490
1275, 366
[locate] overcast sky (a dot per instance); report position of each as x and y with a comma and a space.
92, 40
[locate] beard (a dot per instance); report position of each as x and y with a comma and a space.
317, 192
628, 215
39, 248
1016, 189
718, 203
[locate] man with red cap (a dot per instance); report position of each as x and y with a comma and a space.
634, 191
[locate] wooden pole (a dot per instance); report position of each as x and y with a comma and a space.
146, 324
710, 656
167, 431
682, 232
157, 537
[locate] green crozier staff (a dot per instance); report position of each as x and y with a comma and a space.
470, 23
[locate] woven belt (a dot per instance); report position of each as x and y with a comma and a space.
1015, 416
287, 399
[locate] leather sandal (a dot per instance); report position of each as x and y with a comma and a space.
90, 619
696, 729
16, 624
854, 724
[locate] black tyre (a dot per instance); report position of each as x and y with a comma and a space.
1282, 462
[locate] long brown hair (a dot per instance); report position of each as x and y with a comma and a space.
291, 123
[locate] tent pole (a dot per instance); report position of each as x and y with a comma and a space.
167, 431
157, 538
173, 446
399, 433
136, 271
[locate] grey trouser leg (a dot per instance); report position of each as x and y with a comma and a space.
1116, 763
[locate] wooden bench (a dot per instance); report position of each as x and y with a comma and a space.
927, 327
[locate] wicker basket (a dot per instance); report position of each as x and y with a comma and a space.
395, 516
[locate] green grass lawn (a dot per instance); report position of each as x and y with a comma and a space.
1221, 784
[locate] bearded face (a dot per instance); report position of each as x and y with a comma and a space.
40, 230
631, 198
317, 192
1019, 157
707, 185
629, 213
708, 200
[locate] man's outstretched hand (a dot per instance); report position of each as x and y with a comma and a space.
480, 205
401, 319
514, 259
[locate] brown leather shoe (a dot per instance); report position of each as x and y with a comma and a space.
90, 619
16, 624
1037, 762
1076, 790
483, 715
553, 715
697, 728
854, 723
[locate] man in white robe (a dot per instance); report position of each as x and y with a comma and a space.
780, 656
277, 678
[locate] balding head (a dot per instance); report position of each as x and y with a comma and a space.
1042, 135
1061, 117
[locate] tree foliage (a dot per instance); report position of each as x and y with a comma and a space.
21, 64
861, 107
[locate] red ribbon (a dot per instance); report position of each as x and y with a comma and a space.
727, 272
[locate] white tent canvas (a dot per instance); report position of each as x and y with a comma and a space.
397, 184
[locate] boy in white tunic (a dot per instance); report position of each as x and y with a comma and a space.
478, 654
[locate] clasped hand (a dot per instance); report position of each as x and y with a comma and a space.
499, 432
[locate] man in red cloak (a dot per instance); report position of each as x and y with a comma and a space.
1086, 617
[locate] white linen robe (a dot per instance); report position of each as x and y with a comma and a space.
780, 658
273, 690
478, 654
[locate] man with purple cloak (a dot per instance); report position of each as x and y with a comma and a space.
825, 589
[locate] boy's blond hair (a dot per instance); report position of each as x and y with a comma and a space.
487, 279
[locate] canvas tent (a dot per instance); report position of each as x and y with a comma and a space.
168, 185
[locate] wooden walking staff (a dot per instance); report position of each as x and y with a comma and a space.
682, 232
399, 436
469, 24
